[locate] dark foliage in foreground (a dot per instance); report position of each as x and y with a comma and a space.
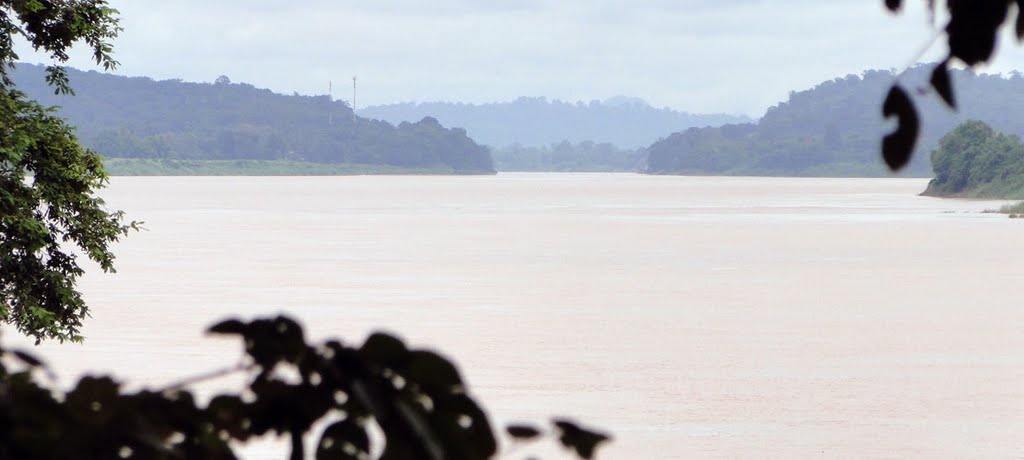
416, 397
971, 35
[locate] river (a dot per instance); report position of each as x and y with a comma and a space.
688, 316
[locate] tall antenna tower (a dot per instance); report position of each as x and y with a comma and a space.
354, 78
330, 105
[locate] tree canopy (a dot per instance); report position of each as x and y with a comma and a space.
49, 212
977, 161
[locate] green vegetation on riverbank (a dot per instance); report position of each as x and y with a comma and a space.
1014, 210
163, 167
976, 161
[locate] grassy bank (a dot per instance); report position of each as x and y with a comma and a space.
158, 167
1015, 210
1010, 189
1003, 185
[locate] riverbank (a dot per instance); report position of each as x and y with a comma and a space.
1010, 189
164, 167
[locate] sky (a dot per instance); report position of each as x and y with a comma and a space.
701, 56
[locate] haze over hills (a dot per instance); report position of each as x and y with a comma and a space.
835, 128
142, 118
584, 156
625, 122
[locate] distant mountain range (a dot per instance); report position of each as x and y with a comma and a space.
142, 118
625, 122
835, 128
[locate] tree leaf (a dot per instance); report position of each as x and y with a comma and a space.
272, 341
972, 29
522, 431
943, 84
898, 146
893, 5
228, 326
228, 412
461, 427
289, 332
432, 371
333, 442
583, 441
93, 399
1020, 19
384, 350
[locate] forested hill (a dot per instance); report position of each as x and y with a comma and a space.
142, 118
536, 122
835, 128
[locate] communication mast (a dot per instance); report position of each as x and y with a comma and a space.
354, 77
330, 102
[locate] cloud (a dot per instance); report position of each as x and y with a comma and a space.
738, 56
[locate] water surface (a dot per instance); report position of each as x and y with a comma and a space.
692, 317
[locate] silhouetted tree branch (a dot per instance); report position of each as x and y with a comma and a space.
971, 32
416, 397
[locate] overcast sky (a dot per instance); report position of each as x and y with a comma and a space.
735, 56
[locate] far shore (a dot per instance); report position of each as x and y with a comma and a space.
166, 167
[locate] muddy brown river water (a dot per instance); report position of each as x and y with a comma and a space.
691, 317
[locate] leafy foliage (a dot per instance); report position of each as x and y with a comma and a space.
124, 117
971, 34
49, 214
976, 161
54, 27
416, 398
47, 210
